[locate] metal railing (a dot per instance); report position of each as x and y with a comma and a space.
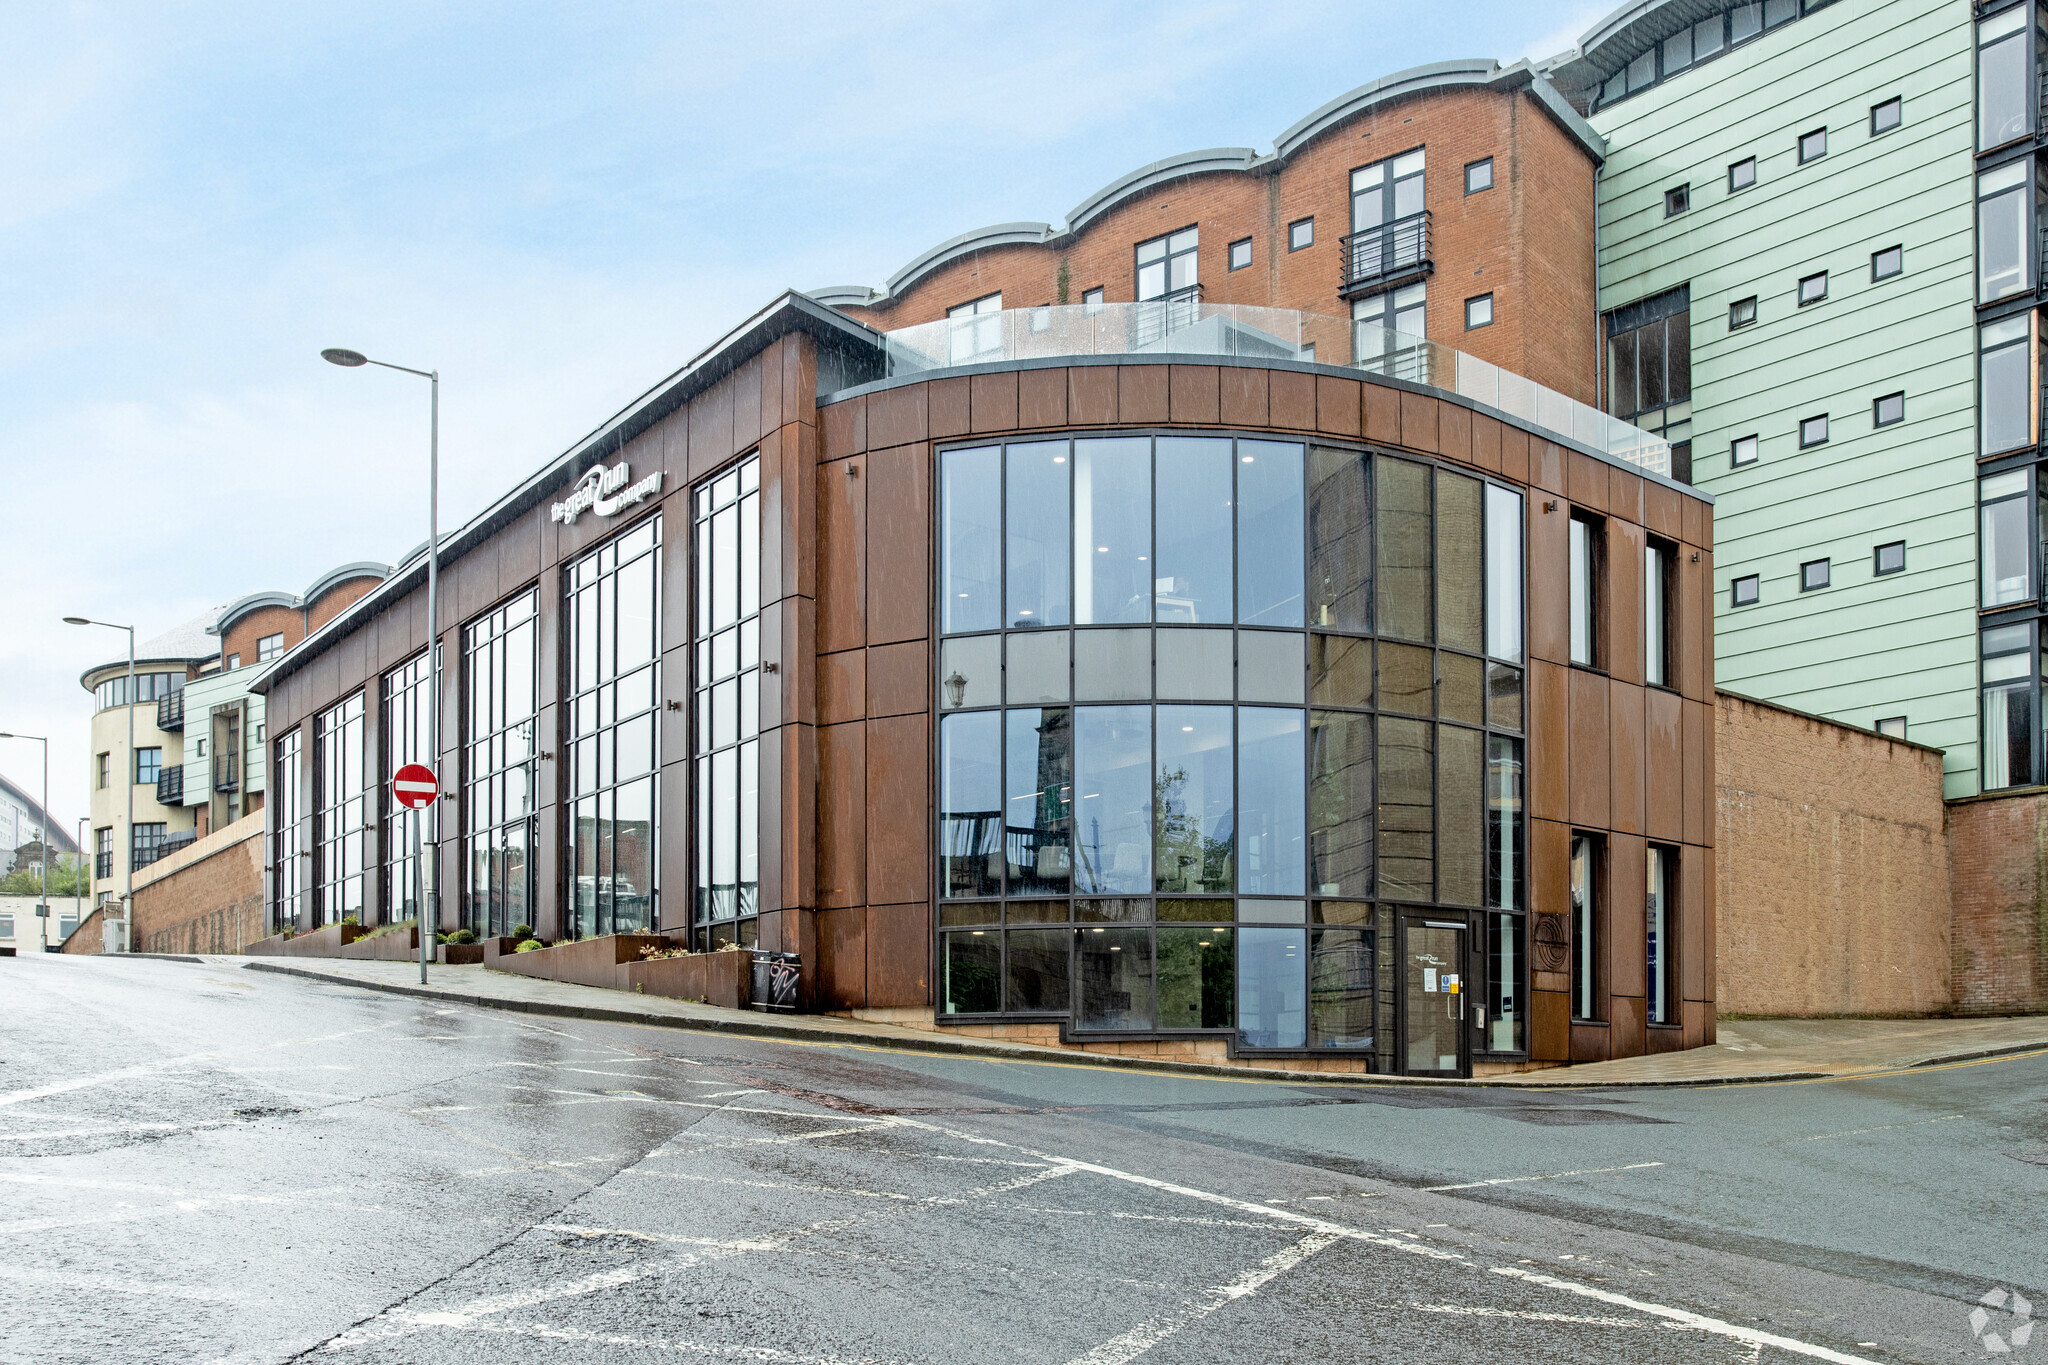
170, 786
1193, 328
1379, 255
170, 711
227, 772
184, 838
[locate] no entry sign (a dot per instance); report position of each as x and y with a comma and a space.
413, 786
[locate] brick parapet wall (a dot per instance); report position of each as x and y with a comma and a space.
207, 898
1998, 847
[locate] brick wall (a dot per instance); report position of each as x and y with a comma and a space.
1833, 868
1999, 848
207, 898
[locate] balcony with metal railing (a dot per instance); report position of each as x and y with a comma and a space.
1189, 328
170, 786
1384, 256
170, 711
227, 772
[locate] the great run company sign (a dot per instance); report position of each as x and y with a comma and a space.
605, 492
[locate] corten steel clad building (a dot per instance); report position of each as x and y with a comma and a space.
1150, 674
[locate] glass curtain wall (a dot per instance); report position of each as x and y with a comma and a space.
287, 835
1212, 709
499, 796
338, 813
405, 741
726, 524
614, 645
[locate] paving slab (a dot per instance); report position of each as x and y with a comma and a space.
1748, 1051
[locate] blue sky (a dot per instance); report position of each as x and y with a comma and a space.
554, 205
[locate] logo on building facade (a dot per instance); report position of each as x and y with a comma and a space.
2018, 1322
603, 491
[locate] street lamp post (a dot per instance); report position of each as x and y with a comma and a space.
43, 910
128, 862
426, 870
79, 883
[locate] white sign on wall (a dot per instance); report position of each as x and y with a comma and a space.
603, 491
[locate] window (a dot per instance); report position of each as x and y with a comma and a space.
1813, 431
338, 813
2010, 704
1892, 726
501, 682
1742, 312
102, 765
727, 682
149, 766
202, 749
1478, 312
1585, 591
404, 695
1649, 351
1657, 560
234, 661
1699, 42
287, 834
1660, 923
1386, 329
1887, 263
1301, 233
149, 687
1813, 575
612, 604
1240, 253
1091, 299
1479, 175
1813, 288
1886, 116
977, 331
1742, 174
1677, 200
2003, 196
1388, 226
146, 843
1741, 451
1585, 927
269, 647
1888, 558
2005, 539
2005, 374
1744, 591
1166, 265
103, 852
1813, 146
2005, 89
1888, 410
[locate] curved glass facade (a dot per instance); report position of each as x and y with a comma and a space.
1216, 712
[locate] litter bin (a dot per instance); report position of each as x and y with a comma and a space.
775, 981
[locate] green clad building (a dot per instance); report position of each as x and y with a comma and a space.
1808, 216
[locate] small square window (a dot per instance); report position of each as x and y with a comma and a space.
1742, 174
1677, 200
1241, 253
1887, 263
1813, 431
1888, 409
1813, 146
1741, 451
1813, 288
1478, 312
1887, 116
1308, 353
1813, 574
1091, 299
1889, 558
1744, 591
1300, 233
1893, 727
1742, 312
1479, 176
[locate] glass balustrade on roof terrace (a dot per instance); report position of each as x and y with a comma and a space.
1189, 327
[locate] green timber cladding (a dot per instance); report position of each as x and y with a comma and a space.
1866, 647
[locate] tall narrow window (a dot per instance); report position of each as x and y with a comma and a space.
338, 813
2003, 260
405, 741
1656, 614
1585, 928
1389, 228
1660, 917
2005, 385
1649, 350
1503, 573
2006, 546
728, 687
103, 852
502, 678
2005, 96
287, 835
1584, 552
1388, 329
613, 727
2010, 704
977, 329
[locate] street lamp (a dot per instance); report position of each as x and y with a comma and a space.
80, 882
43, 910
424, 868
128, 861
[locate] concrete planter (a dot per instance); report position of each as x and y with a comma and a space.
723, 979
326, 942
591, 962
461, 954
403, 946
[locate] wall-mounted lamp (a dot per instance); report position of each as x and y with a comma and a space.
852, 470
956, 688
768, 668
1550, 504
1695, 556
675, 706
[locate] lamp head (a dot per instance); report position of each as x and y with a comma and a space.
336, 355
76, 621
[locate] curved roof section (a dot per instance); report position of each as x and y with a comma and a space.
1624, 35
187, 643
1433, 78
322, 585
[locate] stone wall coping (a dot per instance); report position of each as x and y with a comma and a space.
226, 837
1720, 692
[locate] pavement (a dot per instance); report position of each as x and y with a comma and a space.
213, 1164
1747, 1050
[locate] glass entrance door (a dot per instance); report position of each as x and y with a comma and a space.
1434, 997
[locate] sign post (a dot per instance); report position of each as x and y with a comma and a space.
414, 787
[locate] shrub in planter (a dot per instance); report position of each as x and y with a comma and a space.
462, 936
522, 932
527, 945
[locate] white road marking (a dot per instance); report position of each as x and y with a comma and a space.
1523, 1179
759, 1353
1698, 1322
754, 1244
1143, 1217
1881, 1128
129, 1073
1466, 1310
1119, 1350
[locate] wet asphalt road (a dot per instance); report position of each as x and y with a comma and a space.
202, 1162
